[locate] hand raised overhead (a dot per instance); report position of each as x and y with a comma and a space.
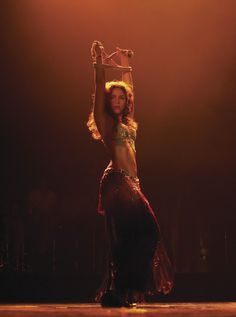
97, 50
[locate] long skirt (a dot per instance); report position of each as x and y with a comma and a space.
138, 261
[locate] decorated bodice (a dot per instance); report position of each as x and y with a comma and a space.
124, 134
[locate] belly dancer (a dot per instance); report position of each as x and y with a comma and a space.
138, 263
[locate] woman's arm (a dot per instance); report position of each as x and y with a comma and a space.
103, 122
124, 61
126, 75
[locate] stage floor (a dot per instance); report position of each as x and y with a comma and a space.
223, 309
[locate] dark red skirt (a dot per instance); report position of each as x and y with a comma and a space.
138, 261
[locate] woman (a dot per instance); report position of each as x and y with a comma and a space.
138, 263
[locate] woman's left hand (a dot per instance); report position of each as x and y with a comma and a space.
124, 52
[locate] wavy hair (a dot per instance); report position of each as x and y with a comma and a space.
129, 107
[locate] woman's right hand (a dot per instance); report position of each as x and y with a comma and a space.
96, 50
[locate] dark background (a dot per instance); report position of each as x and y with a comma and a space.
184, 71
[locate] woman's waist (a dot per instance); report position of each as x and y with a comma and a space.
129, 168
122, 154
131, 174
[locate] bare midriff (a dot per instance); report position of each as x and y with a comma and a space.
123, 157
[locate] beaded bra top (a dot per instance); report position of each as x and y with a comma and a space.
125, 134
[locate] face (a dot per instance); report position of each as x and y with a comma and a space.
118, 101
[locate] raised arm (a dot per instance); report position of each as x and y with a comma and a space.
103, 121
124, 61
126, 75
